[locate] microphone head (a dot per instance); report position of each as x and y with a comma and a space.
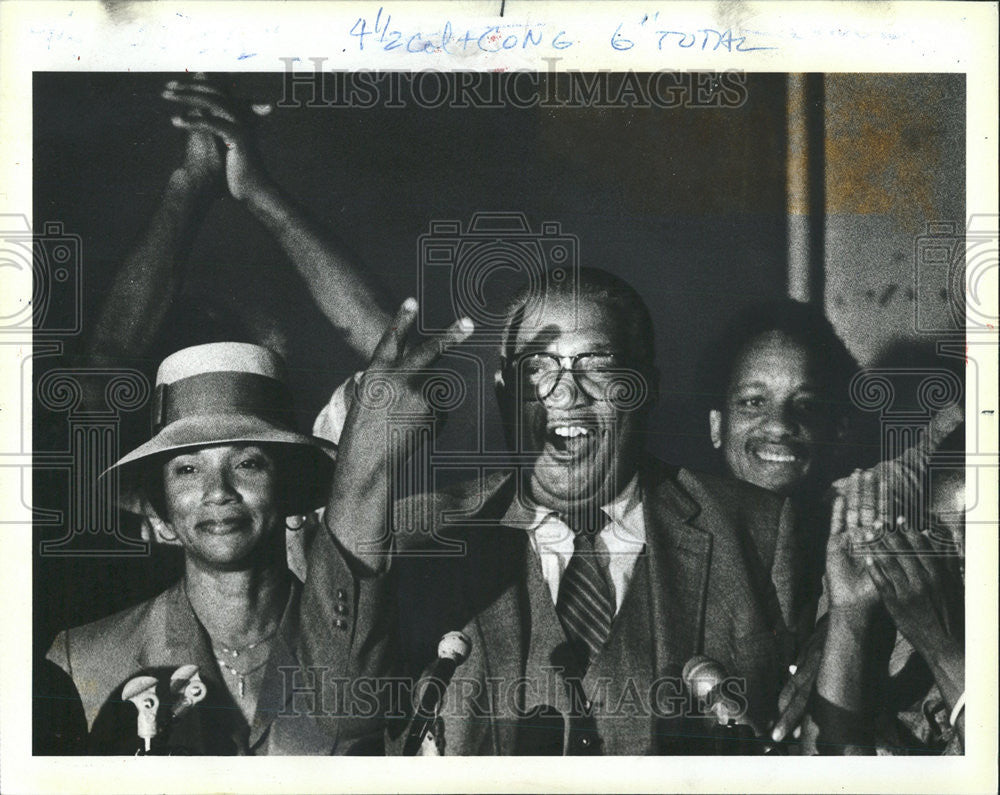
141, 691
454, 646
139, 686
187, 687
702, 673
180, 677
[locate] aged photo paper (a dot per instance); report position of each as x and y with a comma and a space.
284, 175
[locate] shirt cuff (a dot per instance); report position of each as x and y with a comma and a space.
957, 710
330, 421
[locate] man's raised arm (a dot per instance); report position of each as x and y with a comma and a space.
142, 291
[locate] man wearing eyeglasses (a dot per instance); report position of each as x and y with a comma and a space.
589, 575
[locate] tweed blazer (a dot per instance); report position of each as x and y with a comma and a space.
335, 626
718, 552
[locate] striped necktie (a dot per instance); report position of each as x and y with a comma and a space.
584, 605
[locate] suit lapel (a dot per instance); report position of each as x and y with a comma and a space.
211, 728
494, 588
295, 733
272, 697
679, 558
502, 634
185, 641
183, 636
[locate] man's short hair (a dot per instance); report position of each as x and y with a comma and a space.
595, 285
806, 324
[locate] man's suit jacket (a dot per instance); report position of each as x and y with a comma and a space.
334, 626
717, 589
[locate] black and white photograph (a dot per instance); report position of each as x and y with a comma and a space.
514, 404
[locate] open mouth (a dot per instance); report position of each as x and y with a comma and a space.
570, 438
778, 454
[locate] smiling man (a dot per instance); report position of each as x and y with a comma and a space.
587, 573
779, 385
572, 366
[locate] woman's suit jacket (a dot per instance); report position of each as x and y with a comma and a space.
333, 627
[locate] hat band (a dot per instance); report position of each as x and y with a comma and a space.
223, 393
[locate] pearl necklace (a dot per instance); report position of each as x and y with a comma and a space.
240, 649
239, 675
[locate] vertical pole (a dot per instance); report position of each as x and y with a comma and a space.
805, 187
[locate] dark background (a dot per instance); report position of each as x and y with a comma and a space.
688, 204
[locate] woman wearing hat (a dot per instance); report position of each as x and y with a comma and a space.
237, 656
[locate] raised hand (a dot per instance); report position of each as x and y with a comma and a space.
393, 384
855, 526
349, 295
209, 115
203, 161
374, 444
141, 293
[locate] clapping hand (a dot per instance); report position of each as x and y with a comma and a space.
203, 162
910, 577
218, 136
855, 526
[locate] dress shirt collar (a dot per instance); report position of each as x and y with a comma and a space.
620, 541
624, 511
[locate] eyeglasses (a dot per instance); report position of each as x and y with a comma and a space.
594, 373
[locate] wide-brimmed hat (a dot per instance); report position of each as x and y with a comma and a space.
227, 393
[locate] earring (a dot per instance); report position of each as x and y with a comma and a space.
294, 523
161, 532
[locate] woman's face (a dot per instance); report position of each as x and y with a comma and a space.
222, 503
776, 430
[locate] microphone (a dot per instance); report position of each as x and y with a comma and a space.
704, 678
733, 733
186, 688
453, 650
701, 674
141, 691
